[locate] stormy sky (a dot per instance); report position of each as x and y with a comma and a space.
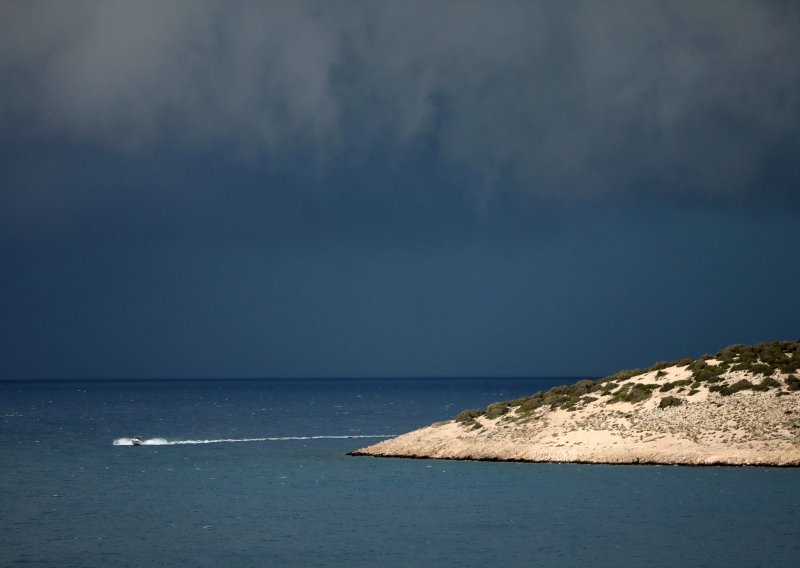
371, 189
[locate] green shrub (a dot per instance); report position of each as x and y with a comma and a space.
793, 383
496, 410
638, 393
531, 403
792, 365
668, 401
665, 364
762, 369
708, 375
726, 355
608, 387
633, 394
467, 417
697, 366
766, 384
728, 390
622, 376
671, 385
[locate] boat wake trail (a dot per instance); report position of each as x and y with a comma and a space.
165, 442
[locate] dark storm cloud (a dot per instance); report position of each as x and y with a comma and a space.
559, 99
203, 188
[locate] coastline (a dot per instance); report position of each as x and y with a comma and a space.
708, 412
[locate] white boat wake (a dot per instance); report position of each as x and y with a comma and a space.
165, 442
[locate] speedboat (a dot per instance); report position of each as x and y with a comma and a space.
136, 441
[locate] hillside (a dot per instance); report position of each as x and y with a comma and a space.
738, 407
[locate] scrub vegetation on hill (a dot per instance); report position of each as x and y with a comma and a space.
776, 364
738, 407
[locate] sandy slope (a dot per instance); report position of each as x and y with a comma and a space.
745, 428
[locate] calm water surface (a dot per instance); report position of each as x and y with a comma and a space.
70, 497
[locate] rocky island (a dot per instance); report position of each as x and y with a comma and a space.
738, 407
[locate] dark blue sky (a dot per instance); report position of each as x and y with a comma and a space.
322, 189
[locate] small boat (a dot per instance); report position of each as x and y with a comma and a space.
136, 441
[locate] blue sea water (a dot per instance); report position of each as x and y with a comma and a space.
292, 497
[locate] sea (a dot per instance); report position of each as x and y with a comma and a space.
256, 473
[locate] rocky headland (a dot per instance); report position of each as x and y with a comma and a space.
738, 407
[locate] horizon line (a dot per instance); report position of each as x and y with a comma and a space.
304, 378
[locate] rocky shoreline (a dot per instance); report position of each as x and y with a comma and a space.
740, 407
